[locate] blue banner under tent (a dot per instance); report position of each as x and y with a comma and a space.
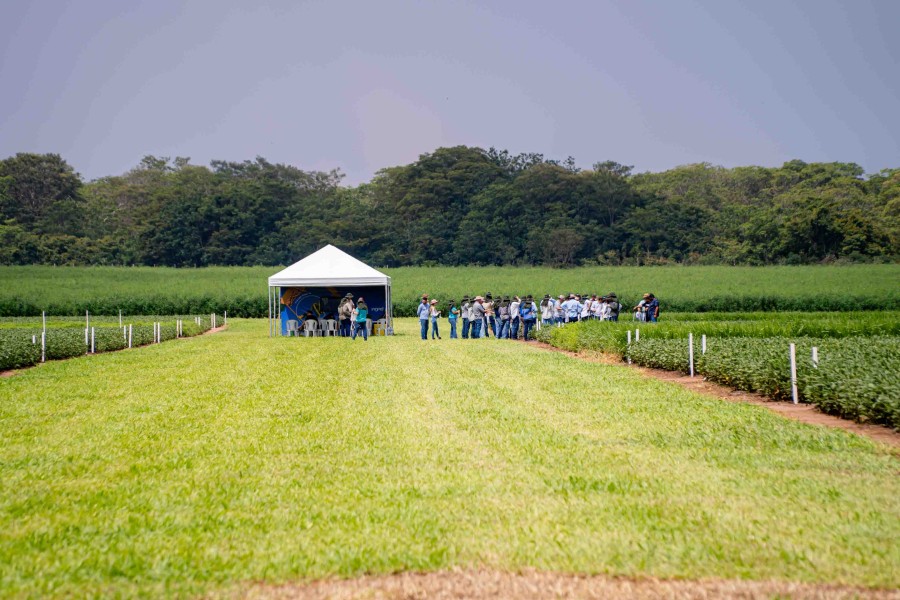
301, 303
312, 289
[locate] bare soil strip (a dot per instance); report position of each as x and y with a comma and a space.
805, 413
12, 372
528, 585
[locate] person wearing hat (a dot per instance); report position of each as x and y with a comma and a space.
652, 309
345, 310
477, 317
362, 314
571, 308
548, 314
465, 313
614, 307
559, 310
528, 312
435, 314
452, 316
503, 318
489, 322
515, 318
423, 313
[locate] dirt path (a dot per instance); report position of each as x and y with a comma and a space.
528, 585
806, 413
12, 372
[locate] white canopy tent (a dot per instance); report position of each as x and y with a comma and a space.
328, 267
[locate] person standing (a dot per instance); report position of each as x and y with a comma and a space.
452, 316
423, 313
345, 311
465, 312
515, 319
435, 314
586, 307
477, 317
548, 313
528, 312
503, 318
652, 309
560, 310
362, 314
489, 322
614, 307
640, 311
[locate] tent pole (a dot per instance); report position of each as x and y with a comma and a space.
269, 302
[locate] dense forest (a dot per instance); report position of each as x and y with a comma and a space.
454, 206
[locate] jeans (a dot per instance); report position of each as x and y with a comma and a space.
360, 327
528, 325
465, 331
434, 329
476, 328
345, 328
514, 328
492, 323
548, 322
452, 329
424, 324
504, 329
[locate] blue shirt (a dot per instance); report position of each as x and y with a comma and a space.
423, 311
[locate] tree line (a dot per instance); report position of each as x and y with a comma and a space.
454, 206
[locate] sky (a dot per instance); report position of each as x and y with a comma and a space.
360, 86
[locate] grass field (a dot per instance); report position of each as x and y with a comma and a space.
198, 465
242, 290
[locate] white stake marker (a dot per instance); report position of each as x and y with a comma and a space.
691, 352
703, 344
794, 374
628, 348
815, 357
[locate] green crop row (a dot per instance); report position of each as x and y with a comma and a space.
855, 378
242, 290
859, 356
606, 336
21, 347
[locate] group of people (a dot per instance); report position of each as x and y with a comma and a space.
353, 317
505, 317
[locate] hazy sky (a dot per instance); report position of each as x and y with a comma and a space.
365, 85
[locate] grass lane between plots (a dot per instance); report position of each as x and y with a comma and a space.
194, 466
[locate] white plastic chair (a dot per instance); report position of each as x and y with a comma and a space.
310, 328
331, 328
292, 327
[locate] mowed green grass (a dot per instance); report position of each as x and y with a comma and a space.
198, 465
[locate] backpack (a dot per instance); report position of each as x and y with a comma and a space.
614, 309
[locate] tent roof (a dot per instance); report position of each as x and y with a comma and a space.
328, 266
